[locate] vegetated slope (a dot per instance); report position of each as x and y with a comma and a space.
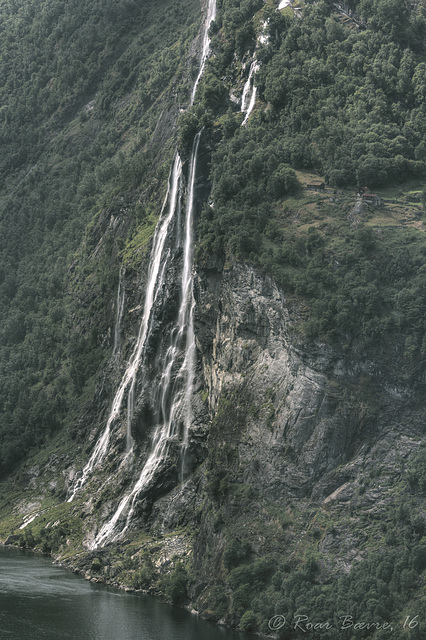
310, 502
340, 104
347, 103
83, 88
344, 103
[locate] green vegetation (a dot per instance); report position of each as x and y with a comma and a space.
417, 470
175, 585
82, 89
296, 574
51, 529
89, 95
143, 577
344, 103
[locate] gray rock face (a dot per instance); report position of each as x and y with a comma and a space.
296, 421
304, 421
291, 442
301, 423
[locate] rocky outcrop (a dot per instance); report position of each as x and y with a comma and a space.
304, 421
292, 444
297, 425
305, 410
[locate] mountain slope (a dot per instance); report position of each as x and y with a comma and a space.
89, 106
296, 488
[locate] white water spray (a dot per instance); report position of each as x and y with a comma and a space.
246, 89
249, 88
173, 395
211, 15
154, 284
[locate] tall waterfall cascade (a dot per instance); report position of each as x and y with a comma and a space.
170, 397
247, 106
154, 283
173, 394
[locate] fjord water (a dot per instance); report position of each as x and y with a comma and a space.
44, 602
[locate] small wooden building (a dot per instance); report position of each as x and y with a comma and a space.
316, 187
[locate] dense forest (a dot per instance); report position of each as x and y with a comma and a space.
82, 88
347, 103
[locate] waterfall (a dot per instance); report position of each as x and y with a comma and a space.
211, 15
249, 85
172, 397
246, 89
119, 311
188, 295
154, 284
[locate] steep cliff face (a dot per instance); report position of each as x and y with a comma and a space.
222, 458
308, 452
295, 446
303, 417
295, 410
252, 354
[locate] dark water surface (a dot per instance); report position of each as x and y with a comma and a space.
39, 601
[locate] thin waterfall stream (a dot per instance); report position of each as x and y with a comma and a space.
211, 15
249, 89
171, 398
155, 279
119, 311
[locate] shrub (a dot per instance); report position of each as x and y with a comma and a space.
249, 621
218, 601
235, 553
176, 584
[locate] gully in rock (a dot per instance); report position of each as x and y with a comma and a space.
119, 311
